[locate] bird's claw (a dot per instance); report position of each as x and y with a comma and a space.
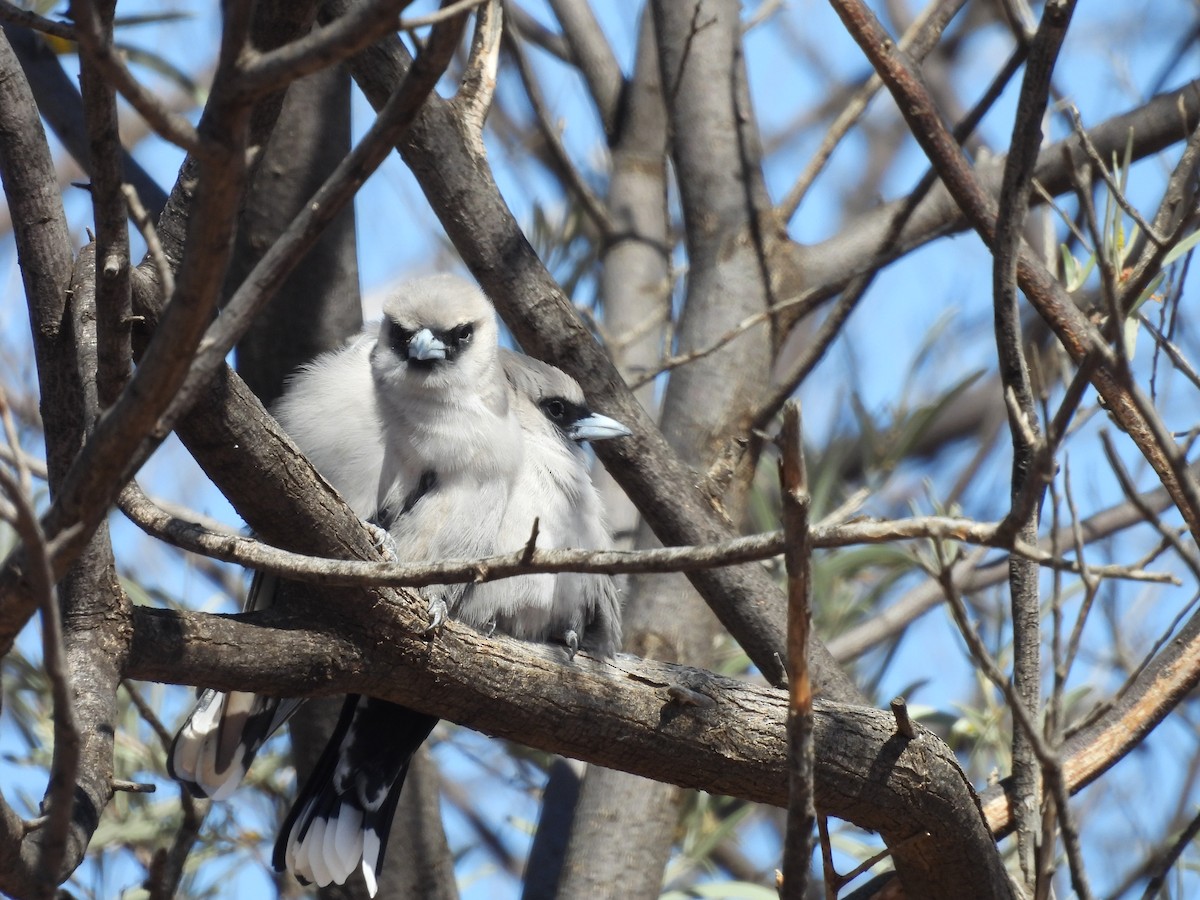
438, 612
383, 540
571, 639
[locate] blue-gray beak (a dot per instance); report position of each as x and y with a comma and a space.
425, 347
596, 427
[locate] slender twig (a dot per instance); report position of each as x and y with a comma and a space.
1065, 660
1177, 211
920, 38
132, 787
1172, 350
10, 12
449, 11
1181, 843
33, 464
801, 814
758, 318
61, 790
145, 225
1047, 755
1098, 165
247, 551
166, 869
1026, 479
1185, 551
572, 178
832, 878
324, 46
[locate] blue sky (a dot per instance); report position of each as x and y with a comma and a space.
1114, 53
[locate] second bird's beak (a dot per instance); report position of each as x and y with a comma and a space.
596, 428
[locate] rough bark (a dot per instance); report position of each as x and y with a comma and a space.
619, 714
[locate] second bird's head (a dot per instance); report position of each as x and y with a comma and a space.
437, 332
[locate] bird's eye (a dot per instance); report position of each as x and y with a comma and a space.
462, 333
554, 408
399, 337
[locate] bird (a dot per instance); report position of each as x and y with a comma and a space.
554, 489
392, 421
451, 450
416, 414
344, 811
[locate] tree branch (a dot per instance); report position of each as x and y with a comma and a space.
618, 713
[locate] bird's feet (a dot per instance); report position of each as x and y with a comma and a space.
383, 540
571, 639
438, 613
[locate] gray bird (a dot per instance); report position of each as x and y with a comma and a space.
217, 743
554, 488
452, 450
417, 412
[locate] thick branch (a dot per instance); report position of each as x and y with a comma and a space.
725, 736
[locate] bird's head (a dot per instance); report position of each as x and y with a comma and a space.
559, 398
438, 332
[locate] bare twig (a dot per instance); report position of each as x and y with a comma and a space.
904, 723
1027, 479
166, 869
10, 12
1181, 843
247, 551
1100, 166
801, 815
920, 38
263, 73
572, 178
1048, 756
145, 224
592, 53
61, 791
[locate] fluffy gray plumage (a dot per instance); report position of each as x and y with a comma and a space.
554, 488
419, 432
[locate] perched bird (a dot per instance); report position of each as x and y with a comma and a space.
555, 490
215, 746
452, 449
345, 810
383, 420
